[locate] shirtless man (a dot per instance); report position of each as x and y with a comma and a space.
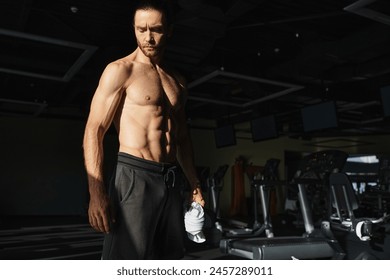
142, 212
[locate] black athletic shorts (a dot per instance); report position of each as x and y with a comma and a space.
147, 198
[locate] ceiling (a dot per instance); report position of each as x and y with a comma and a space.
242, 59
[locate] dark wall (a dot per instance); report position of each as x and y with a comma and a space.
41, 167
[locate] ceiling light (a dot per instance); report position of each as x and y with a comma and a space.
74, 9
218, 73
362, 8
84, 53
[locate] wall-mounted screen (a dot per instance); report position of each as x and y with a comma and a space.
385, 95
225, 136
319, 116
264, 128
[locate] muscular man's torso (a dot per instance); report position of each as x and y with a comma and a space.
146, 117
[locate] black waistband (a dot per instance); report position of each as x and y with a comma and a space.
144, 164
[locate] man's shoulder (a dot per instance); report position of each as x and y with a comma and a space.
117, 73
124, 64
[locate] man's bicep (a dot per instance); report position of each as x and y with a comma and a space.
107, 97
103, 110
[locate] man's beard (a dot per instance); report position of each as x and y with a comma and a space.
150, 52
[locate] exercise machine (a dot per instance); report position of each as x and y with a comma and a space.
213, 183
263, 180
367, 234
261, 186
313, 243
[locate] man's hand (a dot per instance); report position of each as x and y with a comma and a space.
197, 196
100, 212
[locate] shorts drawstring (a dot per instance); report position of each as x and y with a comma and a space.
170, 177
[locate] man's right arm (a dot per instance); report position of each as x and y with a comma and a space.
104, 104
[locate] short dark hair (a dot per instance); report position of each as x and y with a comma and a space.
164, 6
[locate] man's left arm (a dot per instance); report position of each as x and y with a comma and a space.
185, 157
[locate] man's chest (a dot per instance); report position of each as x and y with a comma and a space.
154, 88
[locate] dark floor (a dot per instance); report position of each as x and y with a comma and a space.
27, 238
66, 238
71, 238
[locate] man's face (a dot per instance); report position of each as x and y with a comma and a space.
150, 32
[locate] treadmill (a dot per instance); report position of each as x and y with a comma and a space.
260, 187
313, 243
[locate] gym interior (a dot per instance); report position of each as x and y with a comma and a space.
288, 110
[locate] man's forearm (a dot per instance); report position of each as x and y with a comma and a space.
185, 157
93, 158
